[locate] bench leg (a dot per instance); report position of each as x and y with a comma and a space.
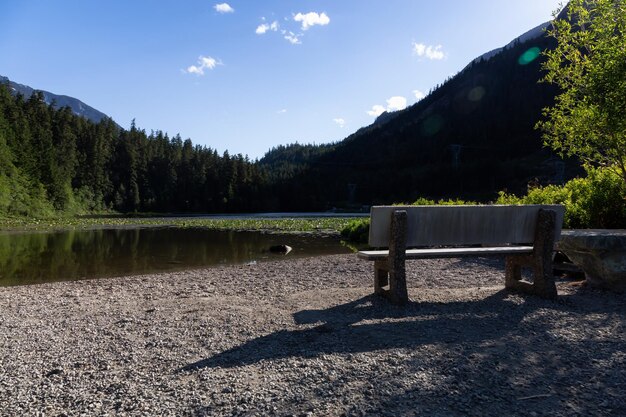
395, 277
397, 259
513, 273
397, 282
544, 284
381, 276
544, 247
540, 261
392, 271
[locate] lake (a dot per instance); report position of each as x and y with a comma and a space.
28, 258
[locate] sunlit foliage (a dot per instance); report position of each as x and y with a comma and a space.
588, 119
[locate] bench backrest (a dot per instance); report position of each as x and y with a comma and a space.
462, 225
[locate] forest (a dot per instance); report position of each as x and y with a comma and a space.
54, 162
469, 138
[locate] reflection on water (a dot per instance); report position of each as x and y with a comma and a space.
27, 258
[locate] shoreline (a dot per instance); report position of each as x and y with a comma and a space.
306, 337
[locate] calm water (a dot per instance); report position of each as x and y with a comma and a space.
27, 258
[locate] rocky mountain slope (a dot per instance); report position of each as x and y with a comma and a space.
78, 107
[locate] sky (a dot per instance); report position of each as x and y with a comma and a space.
248, 75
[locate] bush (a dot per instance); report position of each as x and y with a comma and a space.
423, 202
597, 201
357, 230
449, 202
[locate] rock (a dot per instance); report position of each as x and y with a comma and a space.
54, 372
562, 265
284, 249
600, 253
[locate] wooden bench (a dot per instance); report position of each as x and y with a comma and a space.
524, 234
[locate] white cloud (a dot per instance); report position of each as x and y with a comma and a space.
306, 20
419, 94
292, 37
419, 48
282, 111
204, 63
428, 51
376, 111
264, 27
394, 103
340, 122
223, 8
311, 19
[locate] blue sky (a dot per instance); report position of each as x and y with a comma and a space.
247, 75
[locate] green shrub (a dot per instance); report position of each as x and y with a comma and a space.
597, 201
357, 230
449, 202
423, 202
20, 197
455, 202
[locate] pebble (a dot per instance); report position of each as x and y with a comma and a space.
305, 337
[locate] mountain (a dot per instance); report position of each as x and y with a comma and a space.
471, 137
78, 107
534, 33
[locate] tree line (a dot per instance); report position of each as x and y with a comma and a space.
52, 161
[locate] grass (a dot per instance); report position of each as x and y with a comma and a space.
289, 225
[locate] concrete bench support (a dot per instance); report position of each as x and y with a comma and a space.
540, 261
524, 234
392, 271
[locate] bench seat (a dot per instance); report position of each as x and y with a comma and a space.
374, 255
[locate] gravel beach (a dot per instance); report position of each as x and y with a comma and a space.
305, 337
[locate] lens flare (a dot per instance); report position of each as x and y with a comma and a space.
432, 125
476, 93
529, 56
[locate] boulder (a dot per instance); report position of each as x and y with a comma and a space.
283, 249
600, 253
